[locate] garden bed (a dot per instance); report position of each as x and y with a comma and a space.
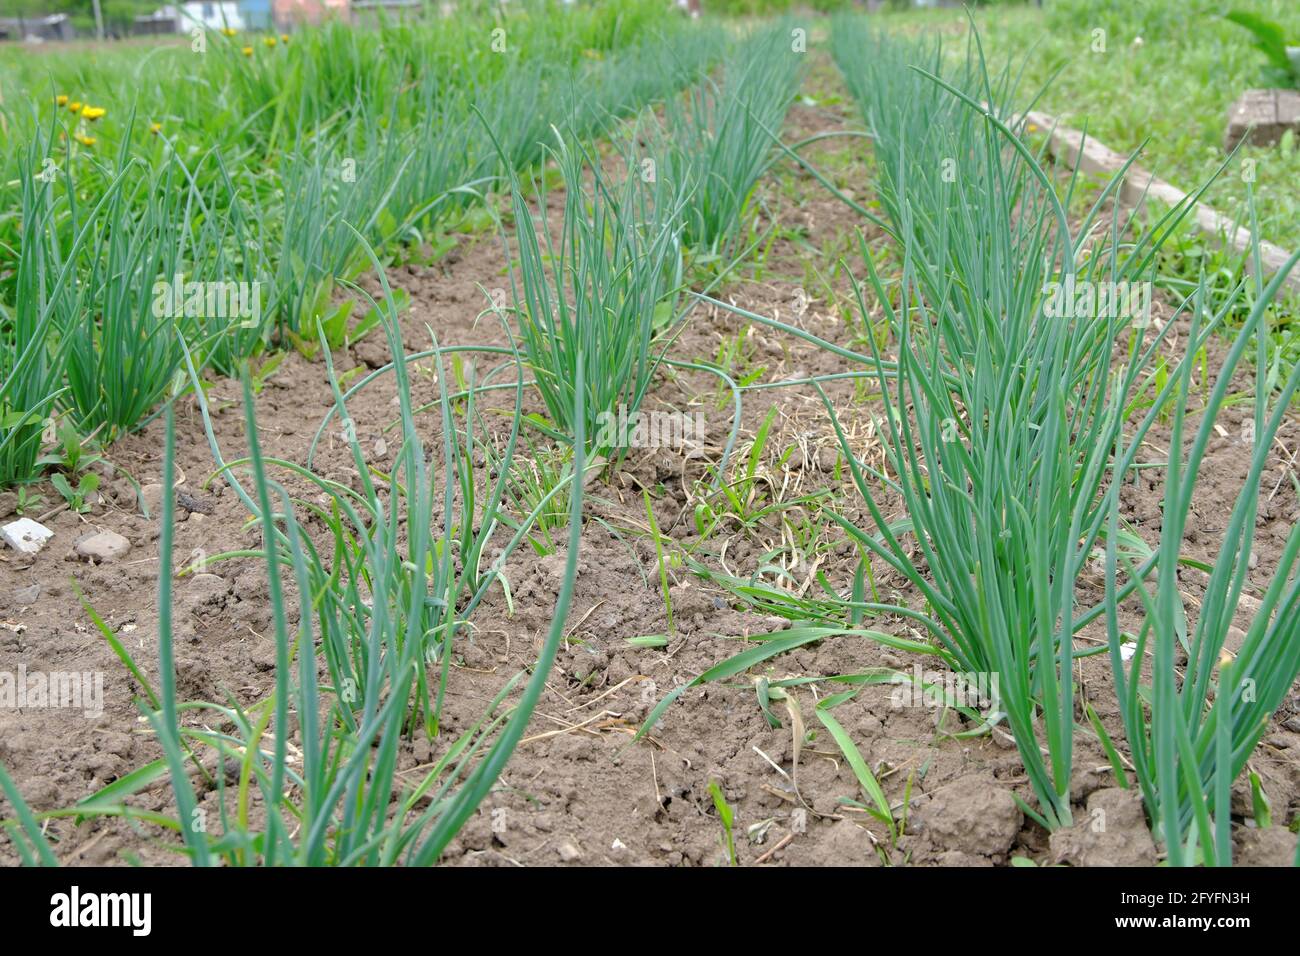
578, 789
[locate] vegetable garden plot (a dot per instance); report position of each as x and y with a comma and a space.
418, 594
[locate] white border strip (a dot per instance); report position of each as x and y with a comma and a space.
1091, 156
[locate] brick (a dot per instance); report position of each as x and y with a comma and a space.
1260, 117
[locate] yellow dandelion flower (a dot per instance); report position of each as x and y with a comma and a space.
74, 106
269, 41
284, 38
155, 128
61, 99
228, 31
247, 51
85, 140
93, 113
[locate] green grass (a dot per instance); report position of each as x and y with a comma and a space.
1188, 55
532, 480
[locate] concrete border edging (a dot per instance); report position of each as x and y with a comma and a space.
1092, 156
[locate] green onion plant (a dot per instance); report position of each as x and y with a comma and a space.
718, 139
1192, 726
600, 291
1005, 401
377, 609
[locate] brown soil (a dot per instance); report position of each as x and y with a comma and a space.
576, 790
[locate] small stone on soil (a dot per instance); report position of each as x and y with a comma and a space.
26, 597
103, 546
25, 536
